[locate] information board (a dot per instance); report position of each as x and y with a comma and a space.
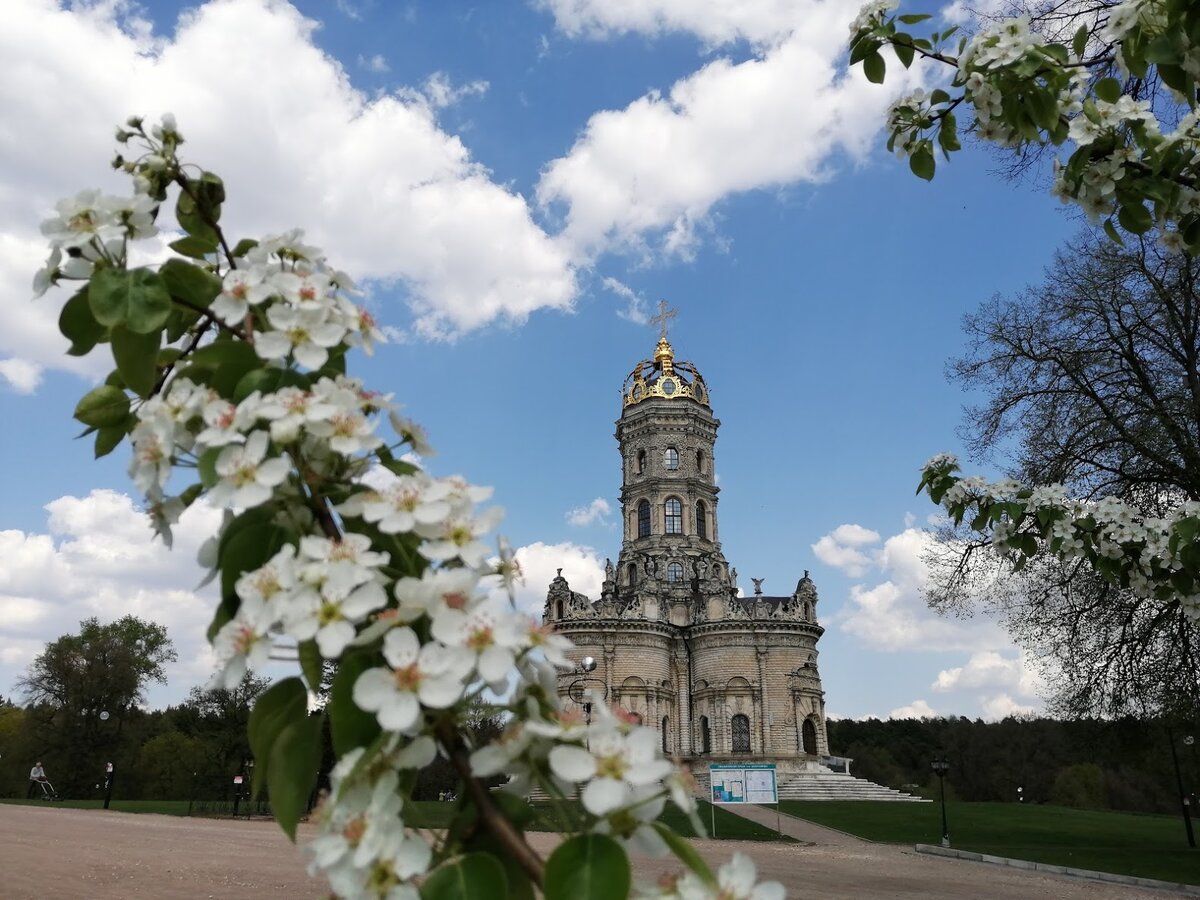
742, 783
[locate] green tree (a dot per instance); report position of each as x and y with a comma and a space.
85, 686
1090, 379
218, 717
1082, 785
167, 765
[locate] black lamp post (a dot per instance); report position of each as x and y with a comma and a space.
577, 690
1184, 800
940, 767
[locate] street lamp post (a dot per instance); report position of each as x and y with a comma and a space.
1183, 797
578, 691
940, 767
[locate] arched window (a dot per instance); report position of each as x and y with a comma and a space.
705, 736
700, 462
641, 461
809, 737
666, 736
644, 519
739, 725
671, 459
674, 572
674, 515
701, 520
633, 573
560, 608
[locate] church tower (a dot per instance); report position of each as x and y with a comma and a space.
722, 676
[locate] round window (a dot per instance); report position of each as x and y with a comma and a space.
668, 386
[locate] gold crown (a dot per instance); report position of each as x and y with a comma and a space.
664, 378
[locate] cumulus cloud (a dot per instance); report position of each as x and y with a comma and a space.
22, 376
842, 549
596, 511
714, 21
374, 63
539, 562
375, 180
645, 178
635, 303
441, 92
918, 709
989, 669
1002, 705
892, 614
97, 557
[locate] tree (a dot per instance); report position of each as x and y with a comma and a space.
219, 717
84, 686
1080, 75
1092, 380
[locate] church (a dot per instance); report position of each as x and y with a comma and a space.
724, 675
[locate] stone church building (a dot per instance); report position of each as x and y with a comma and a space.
722, 677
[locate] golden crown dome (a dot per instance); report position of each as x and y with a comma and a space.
663, 378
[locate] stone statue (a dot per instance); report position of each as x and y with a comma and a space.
758, 583
733, 577
608, 569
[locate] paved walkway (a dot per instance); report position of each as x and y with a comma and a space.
51, 853
800, 829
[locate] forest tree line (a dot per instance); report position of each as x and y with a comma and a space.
1123, 764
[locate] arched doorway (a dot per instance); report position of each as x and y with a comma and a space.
808, 737
705, 736
740, 728
666, 736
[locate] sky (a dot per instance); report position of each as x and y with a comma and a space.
516, 185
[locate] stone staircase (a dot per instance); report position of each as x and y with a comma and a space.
834, 786
825, 785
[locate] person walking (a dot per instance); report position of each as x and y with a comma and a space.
37, 775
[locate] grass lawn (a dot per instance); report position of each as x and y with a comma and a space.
1124, 843
432, 814
162, 807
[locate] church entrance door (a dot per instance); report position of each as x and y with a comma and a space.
809, 737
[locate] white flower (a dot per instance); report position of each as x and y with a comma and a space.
613, 765
226, 423
292, 409
413, 435
458, 536
153, 446
344, 600
247, 477
275, 579
735, 881
431, 675
408, 502
491, 635
437, 590
243, 640
240, 289
305, 333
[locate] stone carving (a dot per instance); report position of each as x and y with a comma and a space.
758, 583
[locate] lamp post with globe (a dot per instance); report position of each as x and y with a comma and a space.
579, 690
940, 767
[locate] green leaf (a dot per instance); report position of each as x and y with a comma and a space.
1079, 42
1108, 90
921, 161
103, 406
190, 217
248, 546
1112, 232
874, 67
195, 247
939, 96
229, 361
350, 726
295, 762
109, 437
469, 877
487, 844
948, 134
244, 246
136, 298
1135, 218
904, 53
136, 356
310, 663
190, 283
686, 853
587, 867
78, 325
280, 705
268, 381
914, 18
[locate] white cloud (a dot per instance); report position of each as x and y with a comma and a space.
918, 709
1002, 705
539, 562
22, 375
98, 557
596, 511
645, 178
374, 63
841, 548
989, 669
635, 308
377, 183
714, 21
892, 614
441, 92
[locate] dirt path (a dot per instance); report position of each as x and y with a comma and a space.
47, 853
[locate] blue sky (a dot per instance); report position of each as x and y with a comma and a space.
517, 185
